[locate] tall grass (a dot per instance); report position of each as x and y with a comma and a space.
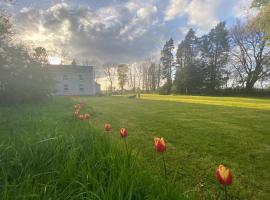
46, 154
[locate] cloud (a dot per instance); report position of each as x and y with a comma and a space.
200, 13
242, 8
118, 33
146, 12
176, 8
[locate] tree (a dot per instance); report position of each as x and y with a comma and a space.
250, 55
41, 55
152, 73
74, 63
5, 28
110, 72
122, 72
259, 3
167, 60
188, 76
178, 82
214, 54
264, 16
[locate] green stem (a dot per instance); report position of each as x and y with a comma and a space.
165, 171
164, 165
126, 145
225, 191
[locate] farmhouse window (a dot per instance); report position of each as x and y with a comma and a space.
81, 88
66, 87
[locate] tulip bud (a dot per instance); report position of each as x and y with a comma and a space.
224, 175
107, 127
160, 145
86, 116
123, 132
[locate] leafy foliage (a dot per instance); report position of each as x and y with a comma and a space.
41, 55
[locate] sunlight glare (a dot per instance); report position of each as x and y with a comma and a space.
54, 60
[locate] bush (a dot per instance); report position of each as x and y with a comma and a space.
165, 89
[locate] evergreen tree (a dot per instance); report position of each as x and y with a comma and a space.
167, 60
188, 74
214, 55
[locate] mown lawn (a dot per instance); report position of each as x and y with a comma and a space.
47, 154
202, 132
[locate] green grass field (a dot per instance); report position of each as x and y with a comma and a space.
46, 154
201, 132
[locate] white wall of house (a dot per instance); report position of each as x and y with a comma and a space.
74, 80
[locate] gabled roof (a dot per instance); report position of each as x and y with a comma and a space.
70, 68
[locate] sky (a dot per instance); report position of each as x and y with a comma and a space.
115, 31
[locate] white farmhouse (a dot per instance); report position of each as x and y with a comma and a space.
74, 80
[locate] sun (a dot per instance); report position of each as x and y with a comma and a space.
54, 60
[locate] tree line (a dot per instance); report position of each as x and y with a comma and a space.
240, 56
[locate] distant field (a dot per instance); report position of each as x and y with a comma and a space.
242, 102
201, 132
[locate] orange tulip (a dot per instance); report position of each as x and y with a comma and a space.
81, 117
107, 127
123, 132
224, 175
77, 112
77, 106
86, 116
160, 145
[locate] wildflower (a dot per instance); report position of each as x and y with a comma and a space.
160, 145
107, 127
123, 132
77, 112
77, 106
81, 117
224, 175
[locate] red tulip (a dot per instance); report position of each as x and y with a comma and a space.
123, 132
160, 145
107, 127
86, 116
81, 117
224, 175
